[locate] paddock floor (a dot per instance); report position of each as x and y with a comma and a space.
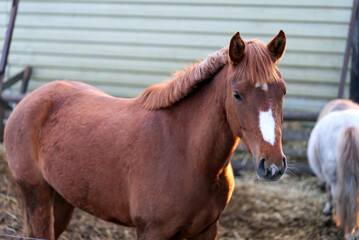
288, 209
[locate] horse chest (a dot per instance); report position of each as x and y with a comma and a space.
187, 211
208, 206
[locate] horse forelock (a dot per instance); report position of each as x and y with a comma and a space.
167, 93
258, 65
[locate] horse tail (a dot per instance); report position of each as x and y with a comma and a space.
348, 177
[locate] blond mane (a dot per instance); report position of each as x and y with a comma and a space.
257, 66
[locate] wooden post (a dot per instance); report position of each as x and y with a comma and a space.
3, 61
7, 42
354, 76
347, 50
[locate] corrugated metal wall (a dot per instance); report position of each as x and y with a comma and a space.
123, 46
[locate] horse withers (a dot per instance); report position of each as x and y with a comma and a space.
333, 155
159, 162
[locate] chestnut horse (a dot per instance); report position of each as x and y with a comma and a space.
159, 162
333, 154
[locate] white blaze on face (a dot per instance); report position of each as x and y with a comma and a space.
267, 126
264, 87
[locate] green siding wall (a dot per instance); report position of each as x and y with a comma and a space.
122, 47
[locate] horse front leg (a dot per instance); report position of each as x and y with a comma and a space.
149, 236
210, 233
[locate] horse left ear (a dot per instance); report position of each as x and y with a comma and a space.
277, 45
237, 48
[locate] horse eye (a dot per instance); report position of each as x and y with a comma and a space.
237, 96
284, 92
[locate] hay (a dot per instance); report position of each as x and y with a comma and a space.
289, 209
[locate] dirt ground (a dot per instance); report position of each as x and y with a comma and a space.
288, 209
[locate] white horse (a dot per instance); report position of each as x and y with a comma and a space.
337, 105
333, 149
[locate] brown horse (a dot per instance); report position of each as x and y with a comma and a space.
159, 162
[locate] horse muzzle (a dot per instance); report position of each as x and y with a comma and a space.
271, 172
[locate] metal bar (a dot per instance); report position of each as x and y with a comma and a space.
300, 116
7, 113
2, 75
25, 79
11, 97
24, 76
14, 79
347, 51
7, 42
354, 76
2, 124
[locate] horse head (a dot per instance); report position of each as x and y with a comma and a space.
254, 104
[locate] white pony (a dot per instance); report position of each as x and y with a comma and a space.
333, 155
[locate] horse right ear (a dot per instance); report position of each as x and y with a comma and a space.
277, 45
237, 48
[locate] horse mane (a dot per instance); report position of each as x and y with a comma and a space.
257, 65
167, 93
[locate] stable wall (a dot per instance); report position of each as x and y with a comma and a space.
122, 47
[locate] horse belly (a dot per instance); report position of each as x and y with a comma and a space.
95, 183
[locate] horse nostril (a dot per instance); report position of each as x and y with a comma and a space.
284, 168
272, 172
262, 167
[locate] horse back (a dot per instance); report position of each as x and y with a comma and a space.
59, 100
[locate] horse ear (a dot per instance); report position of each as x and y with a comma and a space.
277, 45
237, 47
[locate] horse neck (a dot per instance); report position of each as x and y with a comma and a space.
203, 112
